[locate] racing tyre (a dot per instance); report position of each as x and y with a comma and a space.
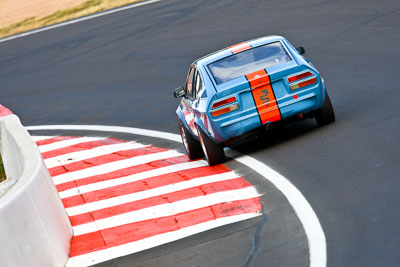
325, 115
214, 152
192, 146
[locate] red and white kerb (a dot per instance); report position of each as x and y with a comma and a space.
124, 197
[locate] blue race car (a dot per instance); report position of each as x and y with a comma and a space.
251, 85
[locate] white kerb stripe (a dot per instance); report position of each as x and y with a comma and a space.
165, 210
67, 143
90, 153
113, 166
116, 129
119, 200
38, 138
132, 178
147, 243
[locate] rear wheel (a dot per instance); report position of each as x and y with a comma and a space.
325, 115
214, 152
192, 146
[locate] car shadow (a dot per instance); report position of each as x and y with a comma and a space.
269, 138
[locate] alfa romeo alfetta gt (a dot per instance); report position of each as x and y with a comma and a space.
247, 86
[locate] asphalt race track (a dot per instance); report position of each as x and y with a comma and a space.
120, 69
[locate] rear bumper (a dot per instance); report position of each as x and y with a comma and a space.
250, 119
304, 105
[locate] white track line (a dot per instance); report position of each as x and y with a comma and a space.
305, 213
165, 210
67, 143
157, 240
78, 20
115, 129
113, 166
90, 153
119, 200
131, 178
307, 216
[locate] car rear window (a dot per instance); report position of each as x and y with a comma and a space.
248, 61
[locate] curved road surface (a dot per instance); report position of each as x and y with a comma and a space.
120, 69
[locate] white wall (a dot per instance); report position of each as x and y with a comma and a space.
34, 228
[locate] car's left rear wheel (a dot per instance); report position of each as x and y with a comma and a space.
214, 152
191, 145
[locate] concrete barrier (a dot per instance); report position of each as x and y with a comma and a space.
34, 228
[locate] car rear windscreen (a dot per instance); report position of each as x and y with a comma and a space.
248, 61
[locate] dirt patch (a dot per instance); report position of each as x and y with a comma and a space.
23, 15
12, 11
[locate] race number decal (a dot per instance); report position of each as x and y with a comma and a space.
264, 97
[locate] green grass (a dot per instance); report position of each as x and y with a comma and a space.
2, 172
56, 16
26, 22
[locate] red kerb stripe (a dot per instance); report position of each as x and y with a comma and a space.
80, 147
54, 139
120, 235
96, 161
4, 111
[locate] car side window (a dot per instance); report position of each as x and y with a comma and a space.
199, 85
193, 95
189, 83
194, 84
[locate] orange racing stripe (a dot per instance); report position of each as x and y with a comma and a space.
264, 96
239, 48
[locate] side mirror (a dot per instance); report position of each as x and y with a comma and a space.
179, 92
301, 50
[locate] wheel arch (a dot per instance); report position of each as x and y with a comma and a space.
200, 123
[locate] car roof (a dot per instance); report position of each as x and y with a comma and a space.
225, 52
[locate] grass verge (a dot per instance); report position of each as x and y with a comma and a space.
2, 172
87, 8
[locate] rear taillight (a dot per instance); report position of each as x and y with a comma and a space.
224, 106
304, 83
299, 76
302, 79
224, 110
223, 102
